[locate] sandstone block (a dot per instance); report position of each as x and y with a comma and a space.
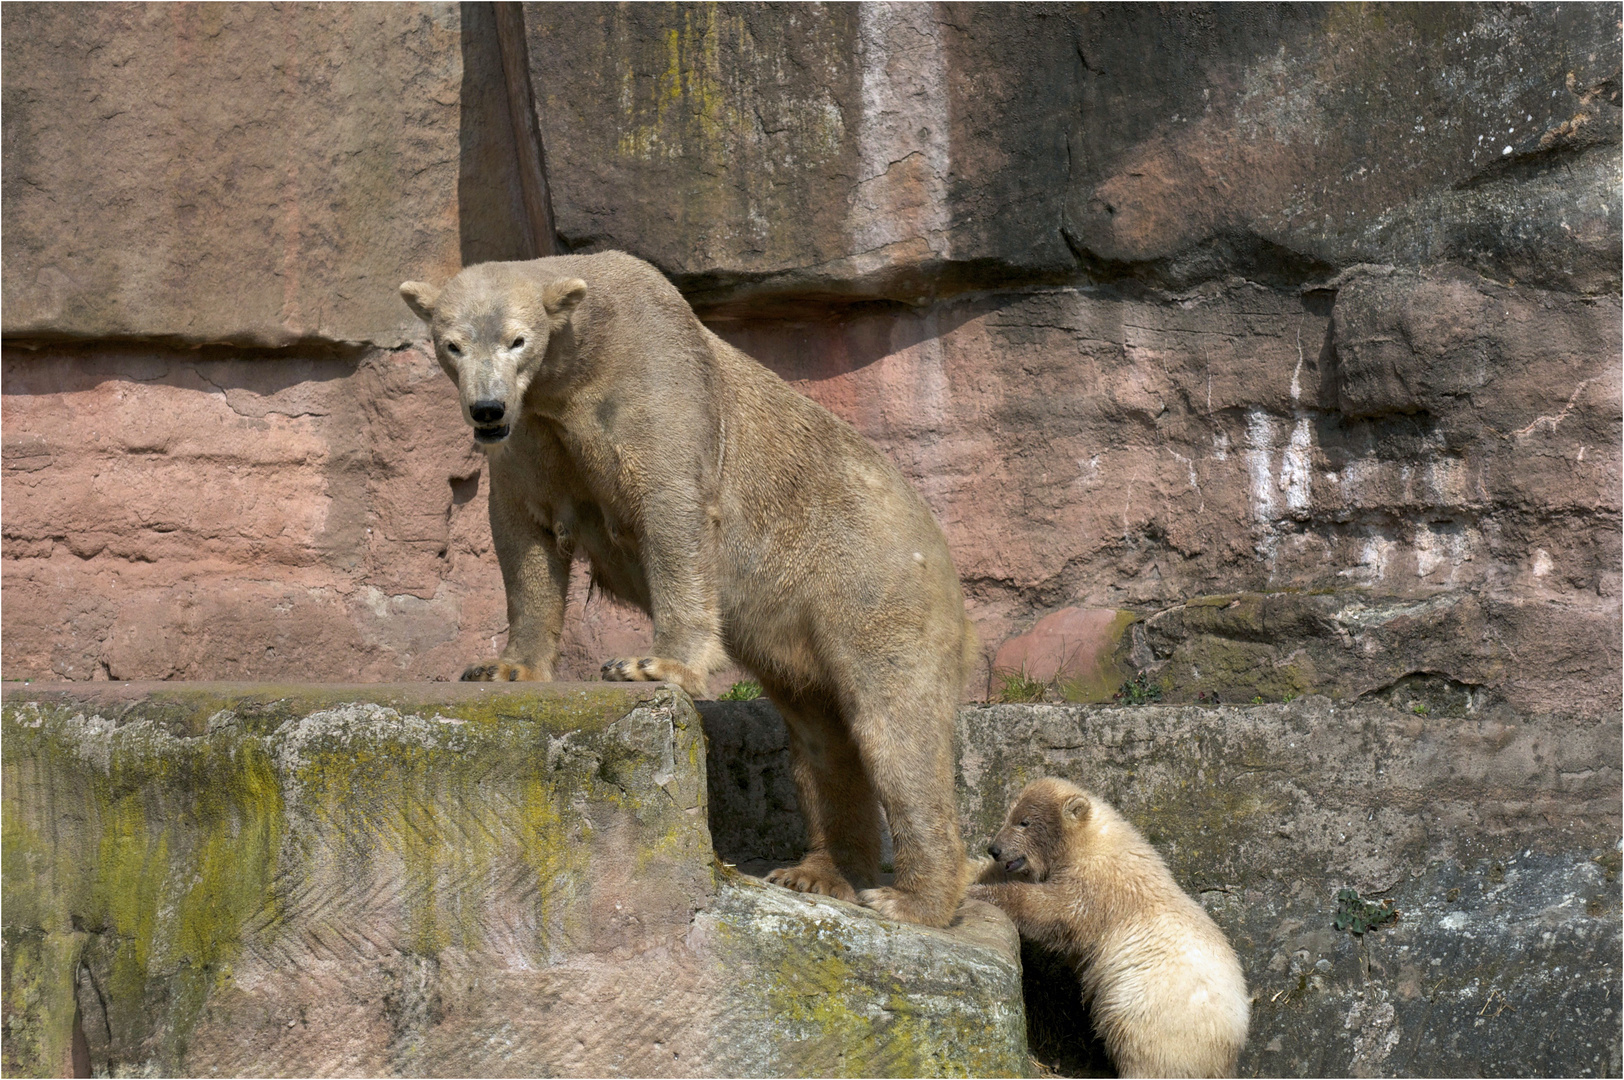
1085, 649
421, 880
236, 173
769, 159
1494, 836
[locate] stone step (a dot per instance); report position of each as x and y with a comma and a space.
437, 879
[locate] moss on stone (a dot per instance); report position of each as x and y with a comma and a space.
1102, 682
162, 827
38, 982
260, 708
169, 865
861, 996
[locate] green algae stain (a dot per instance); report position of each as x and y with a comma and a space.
23, 859
39, 996
844, 997
235, 859
131, 866
173, 854
157, 849
556, 862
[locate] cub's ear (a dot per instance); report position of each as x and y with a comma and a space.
420, 297
1076, 808
560, 297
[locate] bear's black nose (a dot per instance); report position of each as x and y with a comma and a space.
995, 851
488, 411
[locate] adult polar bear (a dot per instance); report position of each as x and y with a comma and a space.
749, 523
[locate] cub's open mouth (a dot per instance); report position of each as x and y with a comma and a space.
493, 434
1016, 865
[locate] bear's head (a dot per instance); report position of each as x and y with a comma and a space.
1041, 828
492, 324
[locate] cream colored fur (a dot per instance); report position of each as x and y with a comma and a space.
1166, 991
748, 521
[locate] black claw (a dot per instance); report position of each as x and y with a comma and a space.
644, 665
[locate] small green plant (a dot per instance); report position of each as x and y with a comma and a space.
1358, 915
1287, 699
748, 690
1258, 700
1419, 709
1139, 690
1017, 688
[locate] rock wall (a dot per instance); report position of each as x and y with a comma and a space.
1269, 351
1161, 309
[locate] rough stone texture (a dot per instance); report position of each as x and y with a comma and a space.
1448, 465
409, 880
770, 154
1239, 319
1085, 652
1497, 837
235, 172
187, 515
1081, 449
1210, 391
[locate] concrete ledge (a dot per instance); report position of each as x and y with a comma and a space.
435, 879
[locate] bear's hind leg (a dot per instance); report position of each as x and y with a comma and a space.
838, 805
907, 749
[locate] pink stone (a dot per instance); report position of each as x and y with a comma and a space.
1071, 644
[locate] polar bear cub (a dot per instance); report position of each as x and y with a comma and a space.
1166, 990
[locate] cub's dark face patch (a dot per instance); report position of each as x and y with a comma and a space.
1030, 840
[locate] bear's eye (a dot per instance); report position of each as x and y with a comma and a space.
1022, 825
453, 348
518, 343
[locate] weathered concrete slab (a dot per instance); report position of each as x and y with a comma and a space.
1496, 836
436, 880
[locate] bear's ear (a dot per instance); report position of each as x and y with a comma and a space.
420, 297
560, 297
1076, 808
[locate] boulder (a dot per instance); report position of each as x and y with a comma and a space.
437, 880
1084, 653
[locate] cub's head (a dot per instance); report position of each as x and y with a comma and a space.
1041, 828
491, 326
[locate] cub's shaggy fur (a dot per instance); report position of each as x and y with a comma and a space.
1166, 991
749, 522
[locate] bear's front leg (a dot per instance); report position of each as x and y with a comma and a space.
679, 560
1041, 912
535, 564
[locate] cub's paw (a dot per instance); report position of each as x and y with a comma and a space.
907, 907
986, 871
653, 669
814, 876
501, 671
